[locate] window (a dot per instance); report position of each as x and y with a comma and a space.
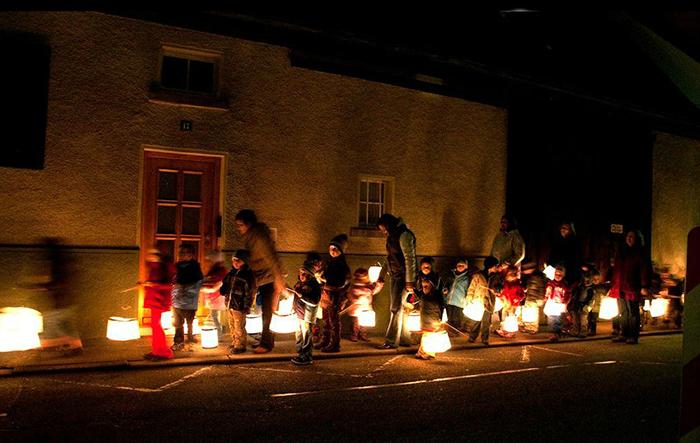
375, 198
189, 70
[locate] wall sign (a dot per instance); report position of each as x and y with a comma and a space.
616, 229
185, 125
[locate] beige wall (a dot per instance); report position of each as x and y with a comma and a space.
296, 141
676, 199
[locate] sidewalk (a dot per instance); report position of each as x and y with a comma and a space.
106, 354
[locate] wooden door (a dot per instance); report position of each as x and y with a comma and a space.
180, 206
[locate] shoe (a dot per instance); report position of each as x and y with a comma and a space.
331, 349
72, 352
471, 340
301, 361
619, 339
386, 346
352, 338
485, 342
152, 357
554, 338
363, 338
261, 350
255, 345
591, 334
321, 345
632, 341
421, 356
178, 347
234, 350
405, 345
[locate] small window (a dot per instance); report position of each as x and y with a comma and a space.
188, 71
374, 199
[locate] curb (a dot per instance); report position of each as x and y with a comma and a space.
230, 360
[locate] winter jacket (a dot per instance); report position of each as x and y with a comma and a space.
360, 296
457, 295
337, 276
159, 277
188, 272
306, 303
432, 276
188, 280
431, 305
401, 252
508, 247
214, 300
631, 273
512, 293
238, 288
558, 291
264, 261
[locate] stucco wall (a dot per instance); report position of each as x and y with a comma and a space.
676, 199
295, 141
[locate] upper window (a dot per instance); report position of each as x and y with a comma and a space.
189, 70
375, 198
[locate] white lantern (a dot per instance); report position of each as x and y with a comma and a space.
553, 308
413, 321
608, 308
647, 305
659, 306
210, 337
434, 342
319, 313
286, 305
499, 305
19, 329
166, 320
253, 324
549, 272
367, 318
530, 314
474, 310
510, 324
123, 329
283, 324
374, 272
195, 327
444, 315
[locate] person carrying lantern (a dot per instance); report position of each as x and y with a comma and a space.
238, 289
213, 299
535, 282
456, 295
431, 305
512, 294
484, 287
401, 258
157, 287
307, 291
360, 297
557, 291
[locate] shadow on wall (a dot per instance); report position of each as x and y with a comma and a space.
451, 238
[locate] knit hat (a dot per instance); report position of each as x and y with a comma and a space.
388, 221
340, 242
431, 278
361, 275
307, 267
243, 255
490, 262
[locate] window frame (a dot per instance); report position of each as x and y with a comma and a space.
388, 197
191, 54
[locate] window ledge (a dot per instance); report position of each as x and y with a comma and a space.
366, 231
177, 98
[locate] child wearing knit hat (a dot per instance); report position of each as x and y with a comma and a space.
360, 297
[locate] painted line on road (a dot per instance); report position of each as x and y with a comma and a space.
299, 371
606, 362
197, 373
406, 383
384, 365
558, 352
525, 355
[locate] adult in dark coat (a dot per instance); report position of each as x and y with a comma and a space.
565, 251
631, 281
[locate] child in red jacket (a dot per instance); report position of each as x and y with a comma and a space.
511, 296
360, 299
157, 287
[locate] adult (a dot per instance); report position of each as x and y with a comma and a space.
401, 258
565, 251
508, 245
631, 280
266, 267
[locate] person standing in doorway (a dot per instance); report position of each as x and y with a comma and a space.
508, 245
266, 267
401, 258
185, 292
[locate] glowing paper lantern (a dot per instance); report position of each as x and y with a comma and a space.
319, 313
123, 329
253, 324
285, 306
510, 324
434, 342
499, 305
374, 272
283, 324
474, 310
444, 316
530, 314
647, 305
210, 337
549, 272
413, 321
553, 308
659, 306
166, 320
195, 327
608, 308
19, 329
367, 318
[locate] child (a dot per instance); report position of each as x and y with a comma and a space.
431, 305
210, 287
558, 291
456, 296
185, 293
238, 288
535, 282
308, 294
485, 285
360, 299
337, 276
512, 294
583, 297
157, 288
316, 263
600, 289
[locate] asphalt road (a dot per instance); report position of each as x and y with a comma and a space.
568, 392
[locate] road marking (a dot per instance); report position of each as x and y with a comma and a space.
406, 383
558, 352
197, 373
525, 355
384, 365
298, 371
606, 362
